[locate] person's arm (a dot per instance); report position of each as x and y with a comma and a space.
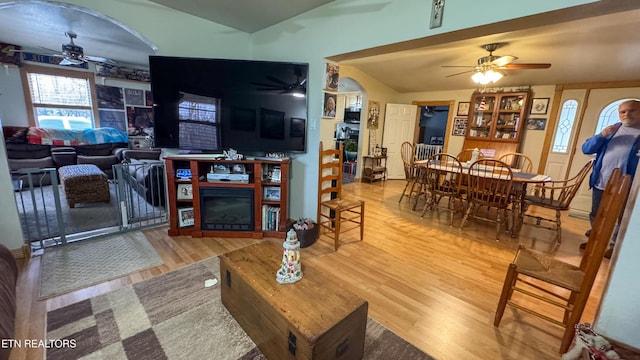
593, 144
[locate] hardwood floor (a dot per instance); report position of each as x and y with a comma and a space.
433, 285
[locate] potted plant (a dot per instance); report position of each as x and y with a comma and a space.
350, 150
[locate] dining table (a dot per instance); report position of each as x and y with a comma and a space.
520, 181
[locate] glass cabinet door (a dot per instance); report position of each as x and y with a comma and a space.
508, 118
481, 117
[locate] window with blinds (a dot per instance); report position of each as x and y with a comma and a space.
61, 101
198, 122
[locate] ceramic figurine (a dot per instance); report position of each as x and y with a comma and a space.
290, 271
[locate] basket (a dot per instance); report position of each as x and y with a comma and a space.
306, 237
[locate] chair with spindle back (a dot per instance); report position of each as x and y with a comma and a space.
518, 161
556, 196
407, 153
488, 184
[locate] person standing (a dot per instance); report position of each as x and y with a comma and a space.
616, 146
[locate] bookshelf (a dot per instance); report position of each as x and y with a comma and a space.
258, 185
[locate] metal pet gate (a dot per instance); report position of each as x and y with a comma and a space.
137, 200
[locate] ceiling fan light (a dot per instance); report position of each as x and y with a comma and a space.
298, 92
493, 75
487, 76
479, 78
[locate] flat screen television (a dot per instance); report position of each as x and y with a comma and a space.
206, 105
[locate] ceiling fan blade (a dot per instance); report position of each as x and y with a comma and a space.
269, 88
49, 50
276, 80
457, 66
265, 84
67, 62
503, 60
460, 73
98, 59
526, 66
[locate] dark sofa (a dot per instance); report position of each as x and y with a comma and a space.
21, 154
8, 280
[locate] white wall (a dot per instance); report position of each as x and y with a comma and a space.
618, 315
12, 105
310, 37
9, 221
338, 27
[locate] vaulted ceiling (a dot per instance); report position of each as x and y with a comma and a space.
596, 48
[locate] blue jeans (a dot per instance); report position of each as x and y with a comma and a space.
596, 198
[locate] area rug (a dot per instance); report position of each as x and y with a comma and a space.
174, 316
80, 264
39, 220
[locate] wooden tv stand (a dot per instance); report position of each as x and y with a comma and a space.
269, 180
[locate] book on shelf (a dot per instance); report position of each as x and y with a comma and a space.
270, 218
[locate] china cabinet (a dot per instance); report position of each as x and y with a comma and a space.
496, 121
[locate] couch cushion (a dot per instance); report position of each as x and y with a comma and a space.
103, 162
17, 164
27, 151
94, 150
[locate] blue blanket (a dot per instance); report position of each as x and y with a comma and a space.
76, 137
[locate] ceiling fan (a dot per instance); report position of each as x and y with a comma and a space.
296, 88
73, 54
497, 63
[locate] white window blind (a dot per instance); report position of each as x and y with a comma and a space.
198, 108
59, 90
198, 122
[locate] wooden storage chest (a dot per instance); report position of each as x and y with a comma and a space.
314, 318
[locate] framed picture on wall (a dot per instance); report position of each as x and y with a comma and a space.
539, 106
536, 123
459, 126
329, 105
332, 77
463, 108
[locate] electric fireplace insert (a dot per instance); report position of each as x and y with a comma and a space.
226, 209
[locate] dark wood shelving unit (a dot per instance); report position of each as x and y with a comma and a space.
258, 181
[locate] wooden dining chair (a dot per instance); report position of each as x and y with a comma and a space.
539, 277
466, 154
488, 184
407, 153
335, 213
554, 195
518, 161
443, 174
